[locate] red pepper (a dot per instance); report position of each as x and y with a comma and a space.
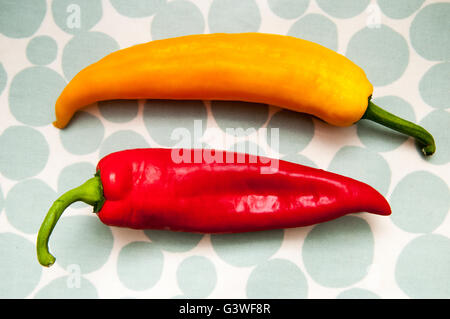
152, 189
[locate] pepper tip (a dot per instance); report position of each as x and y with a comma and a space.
382, 208
429, 150
57, 125
46, 259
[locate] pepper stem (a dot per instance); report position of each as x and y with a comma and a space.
91, 192
422, 136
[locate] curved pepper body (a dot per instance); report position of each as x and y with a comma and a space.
147, 189
279, 70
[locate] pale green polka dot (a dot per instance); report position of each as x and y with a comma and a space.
81, 240
247, 249
436, 123
68, 287
430, 32
33, 94
233, 16
380, 138
19, 268
277, 279
84, 49
299, 159
343, 9
139, 265
288, 9
399, 9
122, 140
21, 18
42, 50
75, 16
23, 152
3, 78
381, 52
338, 253
27, 204
137, 8
433, 86
420, 202
422, 267
73, 176
83, 135
174, 241
295, 131
316, 28
357, 293
196, 277
177, 18
363, 165
175, 123
248, 148
1, 200
118, 111
239, 118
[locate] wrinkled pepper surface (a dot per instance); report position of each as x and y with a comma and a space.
280, 70
154, 189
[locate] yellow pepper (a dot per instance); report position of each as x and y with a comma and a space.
292, 73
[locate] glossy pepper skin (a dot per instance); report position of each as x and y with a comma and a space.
280, 70
144, 189
148, 189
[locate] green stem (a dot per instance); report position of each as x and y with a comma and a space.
422, 136
91, 192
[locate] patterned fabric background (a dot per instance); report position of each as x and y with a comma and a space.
404, 47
